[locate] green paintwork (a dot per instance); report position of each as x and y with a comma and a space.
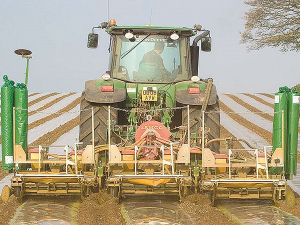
116, 83
281, 104
7, 104
131, 97
293, 122
100, 171
168, 90
196, 171
21, 115
167, 119
132, 118
27, 69
184, 85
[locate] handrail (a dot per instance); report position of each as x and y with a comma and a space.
230, 151
162, 148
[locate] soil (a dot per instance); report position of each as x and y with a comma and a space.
54, 115
267, 95
2, 173
294, 210
41, 98
199, 208
100, 208
52, 136
49, 104
226, 134
8, 209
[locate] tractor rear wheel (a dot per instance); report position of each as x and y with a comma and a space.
211, 119
100, 121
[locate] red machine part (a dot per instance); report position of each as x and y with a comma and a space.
152, 125
151, 133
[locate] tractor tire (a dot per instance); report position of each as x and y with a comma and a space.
290, 198
114, 191
18, 194
212, 122
100, 122
5, 193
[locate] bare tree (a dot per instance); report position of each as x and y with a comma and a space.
272, 23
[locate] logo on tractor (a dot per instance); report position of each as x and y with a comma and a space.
161, 130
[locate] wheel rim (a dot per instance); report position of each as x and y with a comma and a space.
5, 193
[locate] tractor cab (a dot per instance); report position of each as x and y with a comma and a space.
150, 54
153, 58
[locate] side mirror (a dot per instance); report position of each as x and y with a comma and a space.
206, 44
92, 40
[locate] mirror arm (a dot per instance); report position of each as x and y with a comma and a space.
199, 37
95, 28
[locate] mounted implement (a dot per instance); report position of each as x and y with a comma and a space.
53, 170
151, 125
147, 109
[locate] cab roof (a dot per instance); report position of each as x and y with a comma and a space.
119, 30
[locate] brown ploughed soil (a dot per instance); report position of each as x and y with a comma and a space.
8, 209
198, 207
2, 173
100, 208
52, 136
226, 134
260, 100
290, 209
267, 95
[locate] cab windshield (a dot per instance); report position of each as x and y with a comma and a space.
150, 58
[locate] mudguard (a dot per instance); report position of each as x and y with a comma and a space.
182, 96
93, 91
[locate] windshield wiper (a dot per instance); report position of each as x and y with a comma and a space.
128, 51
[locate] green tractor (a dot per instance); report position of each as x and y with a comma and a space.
144, 116
150, 68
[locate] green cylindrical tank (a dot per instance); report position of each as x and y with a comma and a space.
293, 122
21, 115
7, 104
281, 104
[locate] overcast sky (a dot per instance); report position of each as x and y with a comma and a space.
56, 32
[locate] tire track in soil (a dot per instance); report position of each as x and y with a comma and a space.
260, 100
49, 104
251, 108
241, 120
52, 136
66, 109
